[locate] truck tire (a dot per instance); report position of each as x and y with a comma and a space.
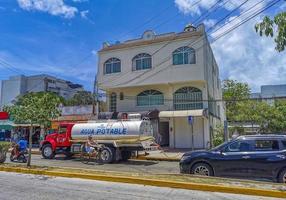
47, 151
125, 155
107, 155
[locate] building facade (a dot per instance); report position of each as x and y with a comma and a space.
269, 93
175, 74
20, 85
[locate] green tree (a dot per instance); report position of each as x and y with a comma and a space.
274, 28
233, 93
277, 118
80, 98
35, 108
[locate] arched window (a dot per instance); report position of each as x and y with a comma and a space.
142, 61
112, 65
150, 98
188, 98
184, 55
112, 102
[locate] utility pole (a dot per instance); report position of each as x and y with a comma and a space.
95, 98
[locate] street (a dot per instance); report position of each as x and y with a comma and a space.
34, 187
139, 166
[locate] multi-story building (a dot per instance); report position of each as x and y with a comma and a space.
20, 85
175, 74
270, 92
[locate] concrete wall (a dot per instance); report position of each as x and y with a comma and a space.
162, 72
129, 103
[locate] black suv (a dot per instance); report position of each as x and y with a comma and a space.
255, 156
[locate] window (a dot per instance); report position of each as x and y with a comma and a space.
62, 129
113, 102
188, 98
121, 96
141, 61
184, 55
150, 98
239, 146
283, 144
266, 145
112, 65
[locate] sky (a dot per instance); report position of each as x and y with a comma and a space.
61, 37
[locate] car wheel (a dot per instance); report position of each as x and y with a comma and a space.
202, 169
282, 176
47, 151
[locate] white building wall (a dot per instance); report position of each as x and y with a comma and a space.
162, 72
167, 78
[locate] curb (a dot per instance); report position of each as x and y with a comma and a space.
156, 158
151, 182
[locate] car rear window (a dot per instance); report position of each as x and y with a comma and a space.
266, 145
283, 144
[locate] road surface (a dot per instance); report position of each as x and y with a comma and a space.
138, 166
16, 186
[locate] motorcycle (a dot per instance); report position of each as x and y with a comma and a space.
21, 157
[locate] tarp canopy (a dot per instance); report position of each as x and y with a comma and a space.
184, 113
6, 125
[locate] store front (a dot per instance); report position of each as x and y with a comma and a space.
185, 129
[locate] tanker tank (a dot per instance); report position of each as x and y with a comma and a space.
113, 130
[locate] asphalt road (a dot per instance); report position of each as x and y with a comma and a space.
137, 166
34, 187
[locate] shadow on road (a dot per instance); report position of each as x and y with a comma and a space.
129, 162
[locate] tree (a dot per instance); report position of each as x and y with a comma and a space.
80, 98
254, 112
274, 27
35, 108
233, 92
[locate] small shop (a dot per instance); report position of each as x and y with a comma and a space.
185, 128
6, 127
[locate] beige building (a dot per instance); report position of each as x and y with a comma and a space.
174, 73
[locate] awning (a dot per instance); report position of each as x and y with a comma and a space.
184, 113
6, 125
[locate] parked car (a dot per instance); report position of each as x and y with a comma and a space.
256, 156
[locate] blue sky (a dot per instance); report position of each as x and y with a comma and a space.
61, 37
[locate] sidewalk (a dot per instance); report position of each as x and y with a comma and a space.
166, 154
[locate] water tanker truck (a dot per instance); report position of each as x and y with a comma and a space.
119, 139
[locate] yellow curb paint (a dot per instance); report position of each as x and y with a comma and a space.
151, 182
155, 158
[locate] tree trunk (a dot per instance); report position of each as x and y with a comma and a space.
30, 145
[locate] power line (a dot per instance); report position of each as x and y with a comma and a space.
169, 57
229, 30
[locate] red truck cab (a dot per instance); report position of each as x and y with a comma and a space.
57, 142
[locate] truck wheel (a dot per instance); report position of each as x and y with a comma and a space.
47, 151
125, 155
107, 155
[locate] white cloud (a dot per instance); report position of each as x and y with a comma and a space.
53, 7
79, 1
192, 7
84, 14
245, 56
209, 22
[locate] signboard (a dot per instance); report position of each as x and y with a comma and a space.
4, 116
190, 120
76, 110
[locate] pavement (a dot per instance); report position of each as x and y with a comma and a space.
36, 187
161, 155
132, 166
